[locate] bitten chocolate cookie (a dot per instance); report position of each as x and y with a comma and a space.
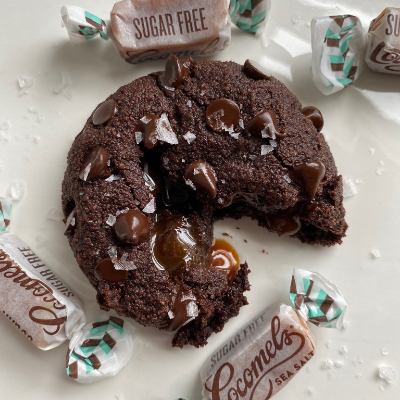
167, 154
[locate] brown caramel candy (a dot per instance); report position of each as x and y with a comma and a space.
106, 271
202, 176
222, 115
175, 73
265, 125
131, 227
105, 112
95, 165
255, 71
223, 256
315, 116
259, 359
309, 176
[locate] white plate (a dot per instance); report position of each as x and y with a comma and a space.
363, 117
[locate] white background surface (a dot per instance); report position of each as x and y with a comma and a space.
364, 116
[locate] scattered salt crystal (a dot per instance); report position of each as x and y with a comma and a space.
138, 137
382, 387
220, 201
192, 310
252, 156
358, 181
372, 151
171, 315
375, 253
86, 171
183, 160
241, 123
240, 106
273, 143
327, 364
189, 137
25, 116
125, 210
339, 364
24, 82
63, 87
385, 352
309, 392
33, 110
381, 162
343, 350
164, 130
145, 119
359, 375
112, 251
55, 214
265, 149
189, 103
36, 139
190, 184
222, 180
295, 20
5, 126
150, 207
380, 171
112, 178
111, 220
387, 373
41, 119
17, 190
328, 344
349, 188
235, 135
170, 88
124, 256
287, 178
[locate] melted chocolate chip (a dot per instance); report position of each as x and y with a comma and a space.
285, 222
313, 114
255, 71
184, 310
176, 242
222, 115
95, 165
106, 271
148, 126
265, 125
105, 112
224, 257
202, 176
175, 73
70, 223
131, 227
308, 176
173, 193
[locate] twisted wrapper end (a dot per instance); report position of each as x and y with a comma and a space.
250, 15
316, 299
82, 25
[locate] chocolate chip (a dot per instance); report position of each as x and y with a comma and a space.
105, 112
173, 193
70, 223
95, 165
285, 222
308, 176
175, 72
255, 71
148, 126
315, 116
202, 176
131, 227
222, 115
182, 314
106, 271
265, 125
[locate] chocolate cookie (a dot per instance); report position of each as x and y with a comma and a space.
166, 155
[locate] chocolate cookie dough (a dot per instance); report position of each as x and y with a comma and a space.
181, 157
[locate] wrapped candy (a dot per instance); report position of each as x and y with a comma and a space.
48, 313
144, 30
5, 213
383, 53
338, 50
263, 356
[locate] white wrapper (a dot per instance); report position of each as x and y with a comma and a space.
5, 213
100, 349
383, 54
338, 51
260, 359
34, 298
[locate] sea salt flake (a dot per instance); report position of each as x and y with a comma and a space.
111, 220
55, 214
112, 252
24, 82
138, 137
171, 315
287, 178
190, 184
382, 387
252, 157
112, 178
265, 149
385, 352
349, 188
36, 139
241, 123
309, 392
145, 119
41, 119
359, 375
380, 171
273, 143
222, 180
5, 126
73, 220
17, 190
327, 364
387, 373
33, 110
235, 135
343, 350
358, 181
220, 201
372, 151
189, 137
339, 364
86, 171
189, 103
192, 309
63, 87
381, 162
150, 207
164, 130
375, 253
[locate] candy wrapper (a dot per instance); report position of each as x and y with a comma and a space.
383, 53
144, 30
48, 313
262, 357
5, 213
338, 51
